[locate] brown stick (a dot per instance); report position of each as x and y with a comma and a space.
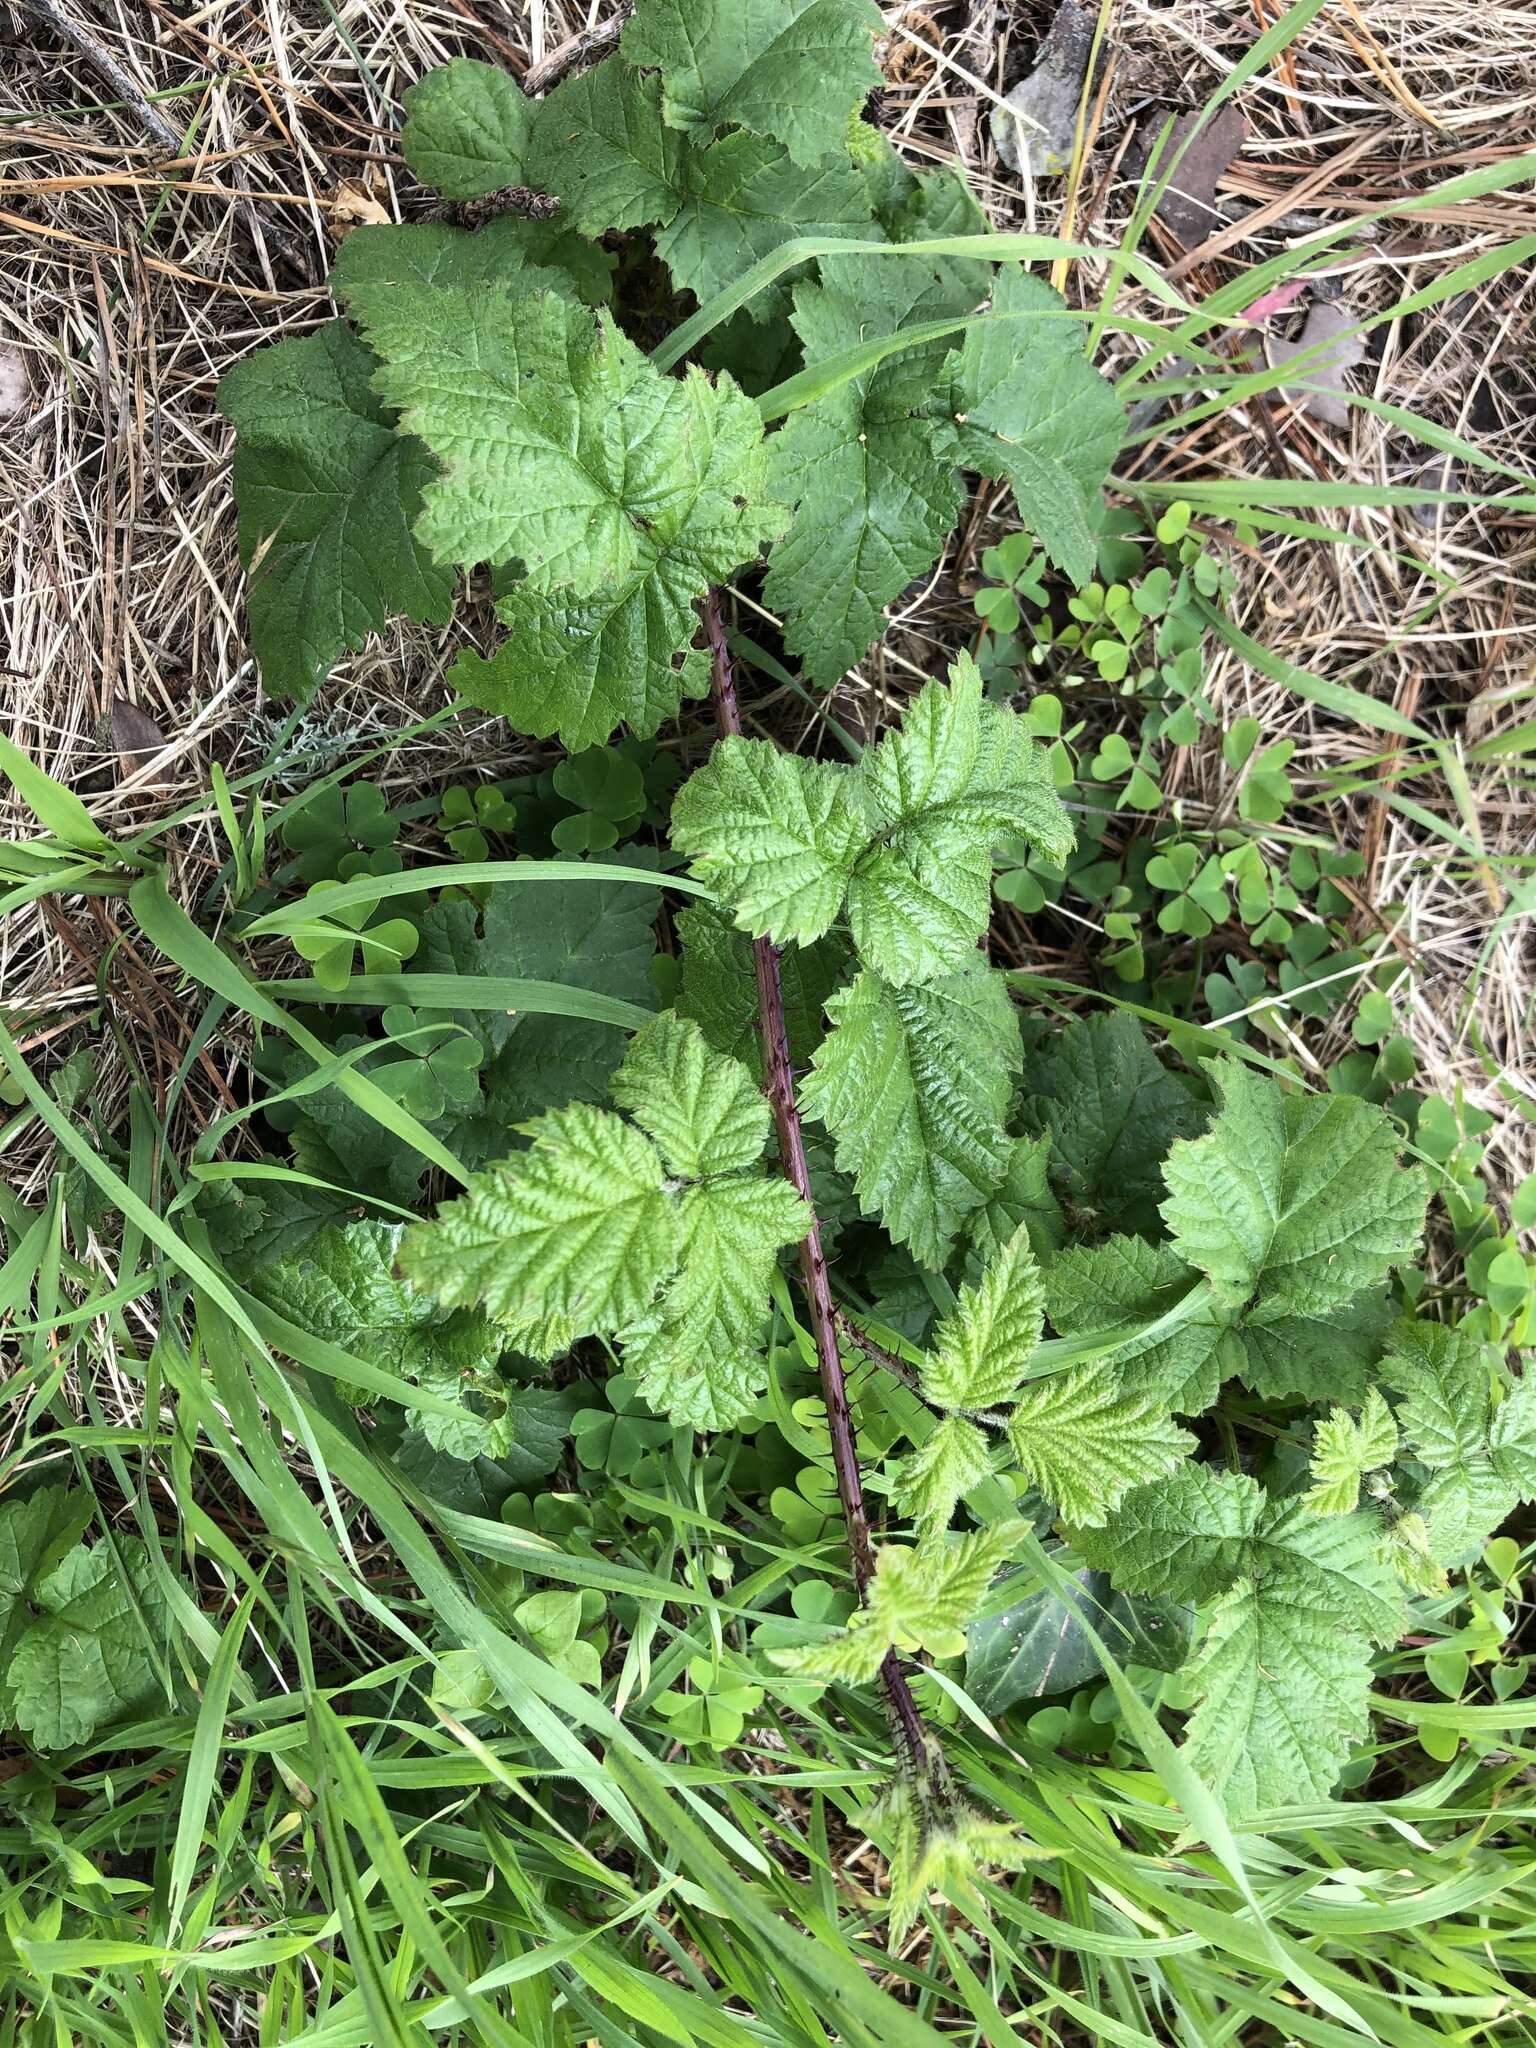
779, 1086
580, 50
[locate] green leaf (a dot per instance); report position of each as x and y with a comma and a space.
1283, 1692
1481, 1454
1026, 404
792, 69
980, 1349
1298, 1199
1112, 1111
913, 1085
562, 447
704, 1112
933, 1478
375, 265
328, 495
874, 498
1038, 1647
468, 129
917, 1600
85, 1654
773, 835
1023, 1195
1345, 1448
698, 1356
957, 775
1314, 1358
719, 986
1126, 1284
1183, 1538
743, 197
35, 1534
340, 1285
1084, 1442
603, 149
578, 1227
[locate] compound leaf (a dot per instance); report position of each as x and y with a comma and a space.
913, 1085
954, 1458
1345, 1448
1481, 1456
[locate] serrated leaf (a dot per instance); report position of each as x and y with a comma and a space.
340, 1285
1481, 1457
1026, 404
579, 1226
958, 774
719, 986
86, 1652
704, 1112
1022, 1196
874, 497
1112, 1111
792, 69
932, 1479
1084, 1442
35, 1533
1283, 1691
468, 129
1345, 1448
328, 495
913, 1085
981, 1347
604, 150
508, 253
1314, 1358
1183, 1538
698, 1356
773, 835
1299, 1200
743, 197
1127, 1284
918, 1600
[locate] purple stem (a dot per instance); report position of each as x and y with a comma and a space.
779, 1086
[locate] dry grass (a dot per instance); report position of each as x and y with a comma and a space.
130, 284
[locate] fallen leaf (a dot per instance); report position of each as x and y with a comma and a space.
15, 385
354, 204
1280, 300
1036, 125
135, 734
1188, 205
1317, 388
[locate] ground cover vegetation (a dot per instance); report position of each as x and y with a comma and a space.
691, 1450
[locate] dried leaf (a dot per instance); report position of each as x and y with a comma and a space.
1036, 125
135, 735
1316, 387
15, 385
1188, 206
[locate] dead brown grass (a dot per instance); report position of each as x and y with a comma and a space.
130, 282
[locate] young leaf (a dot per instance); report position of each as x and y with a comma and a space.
773, 835
913, 1084
1084, 1442
328, 494
1297, 1199
703, 1111
1345, 1448
934, 1477
1026, 404
792, 69
980, 1349
957, 775
917, 1600
578, 1226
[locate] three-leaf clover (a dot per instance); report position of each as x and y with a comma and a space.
1196, 887
608, 792
467, 818
333, 939
442, 1067
331, 829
